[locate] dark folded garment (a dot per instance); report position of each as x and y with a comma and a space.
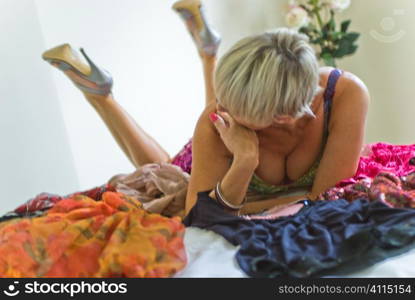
325, 238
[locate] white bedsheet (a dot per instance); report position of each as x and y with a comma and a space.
210, 255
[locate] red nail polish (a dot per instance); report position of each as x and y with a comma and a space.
213, 117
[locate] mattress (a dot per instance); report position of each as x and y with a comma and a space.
210, 255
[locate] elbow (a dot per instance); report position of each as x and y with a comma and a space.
188, 205
190, 201
350, 173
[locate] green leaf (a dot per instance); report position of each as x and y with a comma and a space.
317, 40
351, 36
337, 35
342, 50
325, 32
304, 30
345, 25
328, 28
332, 24
345, 47
352, 49
328, 59
313, 28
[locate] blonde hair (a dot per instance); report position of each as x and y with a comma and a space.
270, 74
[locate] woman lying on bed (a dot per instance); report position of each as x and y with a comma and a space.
274, 120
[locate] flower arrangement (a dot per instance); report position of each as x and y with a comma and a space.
316, 19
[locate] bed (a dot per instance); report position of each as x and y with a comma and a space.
210, 255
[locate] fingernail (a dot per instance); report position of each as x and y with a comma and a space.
213, 117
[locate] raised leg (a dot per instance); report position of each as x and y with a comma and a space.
206, 39
209, 64
138, 146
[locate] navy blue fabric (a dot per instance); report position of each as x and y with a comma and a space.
324, 238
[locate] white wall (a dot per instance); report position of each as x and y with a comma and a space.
386, 67
35, 155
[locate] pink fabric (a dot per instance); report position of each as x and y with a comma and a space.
378, 157
394, 191
183, 159
386, 172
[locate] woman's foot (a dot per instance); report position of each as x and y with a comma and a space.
206, 38
89, 78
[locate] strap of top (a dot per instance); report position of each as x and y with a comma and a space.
328, 97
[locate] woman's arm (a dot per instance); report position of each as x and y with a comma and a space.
210, 164
346, 134
234, 184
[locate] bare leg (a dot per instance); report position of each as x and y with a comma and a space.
206, 40
209, 64
139, 147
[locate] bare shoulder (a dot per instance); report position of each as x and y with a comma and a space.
203, 120
350, 83
206, 133
347, 81
351, 98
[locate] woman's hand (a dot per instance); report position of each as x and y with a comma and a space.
240, 140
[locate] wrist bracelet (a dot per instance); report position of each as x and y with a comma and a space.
223, 202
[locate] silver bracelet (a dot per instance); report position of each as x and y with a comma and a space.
225, 203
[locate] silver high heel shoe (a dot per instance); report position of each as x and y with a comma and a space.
65, 58
192, 12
